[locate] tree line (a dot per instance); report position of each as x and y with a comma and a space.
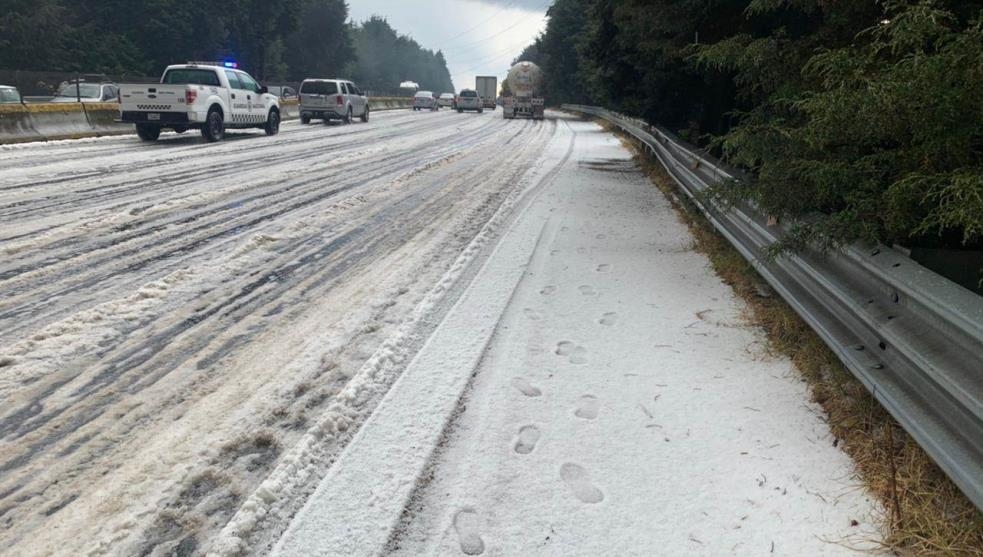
864, 115
275, 40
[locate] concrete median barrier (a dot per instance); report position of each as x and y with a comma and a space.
390, 103
46, 122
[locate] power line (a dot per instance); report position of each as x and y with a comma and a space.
473, 68
482, 22
470, 46
524, 42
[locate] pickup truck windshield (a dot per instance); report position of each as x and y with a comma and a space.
319, 88
190, 77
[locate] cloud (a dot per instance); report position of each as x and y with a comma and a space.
477, 37
528, 5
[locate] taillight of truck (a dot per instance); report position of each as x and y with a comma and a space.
339, 100
190, 96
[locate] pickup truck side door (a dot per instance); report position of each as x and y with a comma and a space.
257, 108
238, 99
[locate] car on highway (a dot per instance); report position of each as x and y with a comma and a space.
446, 99
468, 99
285, 92
424, 100
9, 95
210, 96
86, 92
332, 99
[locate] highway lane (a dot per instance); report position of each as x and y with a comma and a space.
174, 316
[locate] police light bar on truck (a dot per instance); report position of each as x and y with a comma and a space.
225, 64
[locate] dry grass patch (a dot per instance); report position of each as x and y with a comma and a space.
926, 512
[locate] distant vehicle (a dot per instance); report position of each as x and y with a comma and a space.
446, 99
469, 100
9, 95
424, 100
487, 87
210, 96
526, 99
82, 91
332, 99
408, 88
284, 92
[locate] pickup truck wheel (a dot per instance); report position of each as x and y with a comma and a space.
481, 111
272, 123
305, 119
214, 128
365, 114
148, 132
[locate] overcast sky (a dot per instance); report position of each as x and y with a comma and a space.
478, 37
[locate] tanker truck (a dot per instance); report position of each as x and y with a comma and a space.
525, 98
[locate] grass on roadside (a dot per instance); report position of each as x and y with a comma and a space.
926, 512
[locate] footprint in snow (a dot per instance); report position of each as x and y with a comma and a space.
578, 480
587, 407
609, 318
525, 387
547, 290
532, 314
528, 437
604, 268
466, 525
574, 353
588, 290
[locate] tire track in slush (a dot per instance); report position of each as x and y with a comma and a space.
331, 173
250, 298
19, 423
12, 318
236, 203
214, 170
39, 155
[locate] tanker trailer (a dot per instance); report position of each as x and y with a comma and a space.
526, 92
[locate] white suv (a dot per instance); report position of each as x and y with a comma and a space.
332, 99
469, 100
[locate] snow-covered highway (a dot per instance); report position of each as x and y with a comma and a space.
484, 336
175, 316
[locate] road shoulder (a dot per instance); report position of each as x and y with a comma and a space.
625, 406
595, 391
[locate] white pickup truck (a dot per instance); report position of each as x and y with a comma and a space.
209, 97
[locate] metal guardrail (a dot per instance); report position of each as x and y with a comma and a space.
912, 337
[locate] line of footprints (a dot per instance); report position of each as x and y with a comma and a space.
576, 478
574, 475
